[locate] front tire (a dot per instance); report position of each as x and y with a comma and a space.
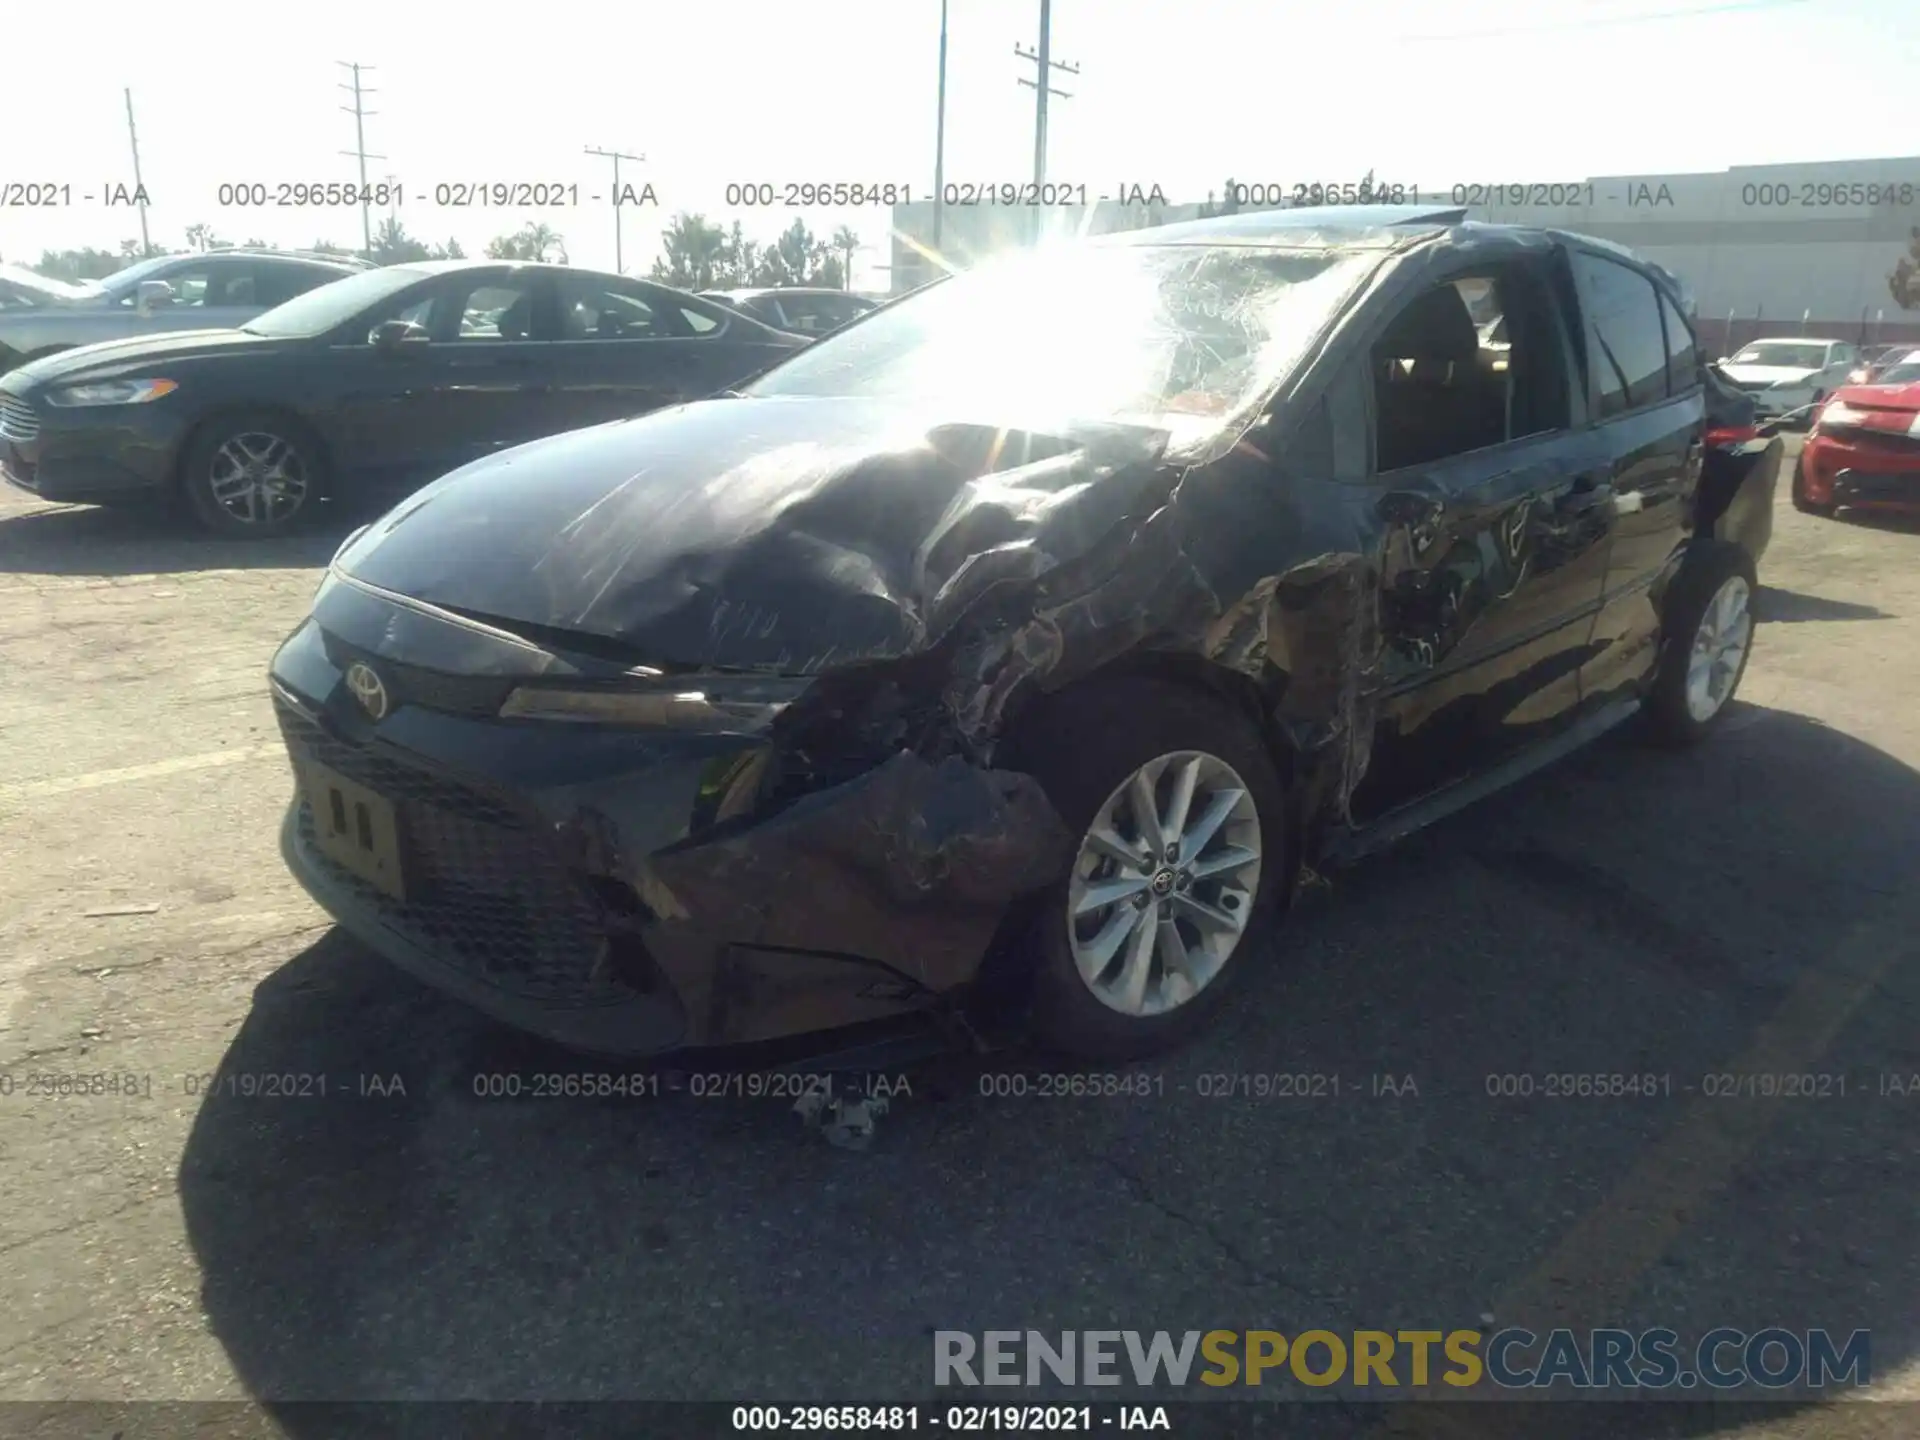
1706, 642
1180, 870
253, 475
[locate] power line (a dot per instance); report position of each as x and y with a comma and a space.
619, 265
360, 113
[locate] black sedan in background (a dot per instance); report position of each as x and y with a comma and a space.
802, 309
382, 380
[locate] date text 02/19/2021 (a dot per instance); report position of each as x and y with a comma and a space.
959, 1419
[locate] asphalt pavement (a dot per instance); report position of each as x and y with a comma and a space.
1743, 910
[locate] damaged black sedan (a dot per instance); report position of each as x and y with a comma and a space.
1027, 640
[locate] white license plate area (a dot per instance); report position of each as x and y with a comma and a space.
355, 827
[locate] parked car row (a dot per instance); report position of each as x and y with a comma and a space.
896, 684
803, 310
1864, 450
217, 288
379, 381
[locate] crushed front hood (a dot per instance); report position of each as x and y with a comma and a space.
772, 534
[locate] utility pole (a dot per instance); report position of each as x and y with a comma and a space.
360, 113
940, 137
1042, 84
133, 139
619, 259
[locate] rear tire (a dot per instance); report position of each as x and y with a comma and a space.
1137, 974
253, 475
1706, 642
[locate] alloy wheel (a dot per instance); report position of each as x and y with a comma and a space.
1719, 649
1164, 883
258, 478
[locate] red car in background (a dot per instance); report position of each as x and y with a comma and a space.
1864, 448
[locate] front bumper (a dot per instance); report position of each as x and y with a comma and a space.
87, 453
574, 881
1861, 468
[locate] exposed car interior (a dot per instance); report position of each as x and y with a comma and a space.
1470, 363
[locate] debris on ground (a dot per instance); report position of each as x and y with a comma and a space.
846, 1122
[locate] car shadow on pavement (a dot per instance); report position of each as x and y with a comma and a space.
1774, 606
1631, 911
97, 540
1897, 522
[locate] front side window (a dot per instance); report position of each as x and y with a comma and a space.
1625, 342
1175, 336
1467, 364
190, 285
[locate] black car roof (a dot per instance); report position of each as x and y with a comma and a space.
1334, 224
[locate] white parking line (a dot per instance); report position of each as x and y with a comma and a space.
98, 779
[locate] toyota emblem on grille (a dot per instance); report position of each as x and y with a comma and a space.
368, 689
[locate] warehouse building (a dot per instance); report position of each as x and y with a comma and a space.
1766, 249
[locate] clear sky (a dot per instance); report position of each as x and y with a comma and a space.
1180, 95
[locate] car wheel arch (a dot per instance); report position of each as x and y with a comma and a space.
1235, 688
227, 410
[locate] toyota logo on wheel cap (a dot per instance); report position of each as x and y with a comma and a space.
368, 689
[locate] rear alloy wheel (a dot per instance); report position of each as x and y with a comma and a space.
1709, 623
253, 476
1178, 875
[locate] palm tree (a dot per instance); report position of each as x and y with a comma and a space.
845, 242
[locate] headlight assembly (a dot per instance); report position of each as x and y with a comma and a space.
701, 704
111, 392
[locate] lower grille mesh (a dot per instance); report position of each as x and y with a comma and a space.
484, 894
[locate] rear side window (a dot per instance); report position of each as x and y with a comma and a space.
1683, 359
1625, 341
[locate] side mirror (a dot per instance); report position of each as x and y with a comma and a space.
152, 295
389, 336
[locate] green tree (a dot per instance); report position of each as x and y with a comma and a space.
845, 243
392, 245
1904, 282
532, 241
201, 237
696, 254
86, 263
797, 258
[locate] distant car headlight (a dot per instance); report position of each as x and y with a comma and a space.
703, 704
1837, 414
111, 392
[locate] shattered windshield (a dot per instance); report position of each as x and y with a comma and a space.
1134, 333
